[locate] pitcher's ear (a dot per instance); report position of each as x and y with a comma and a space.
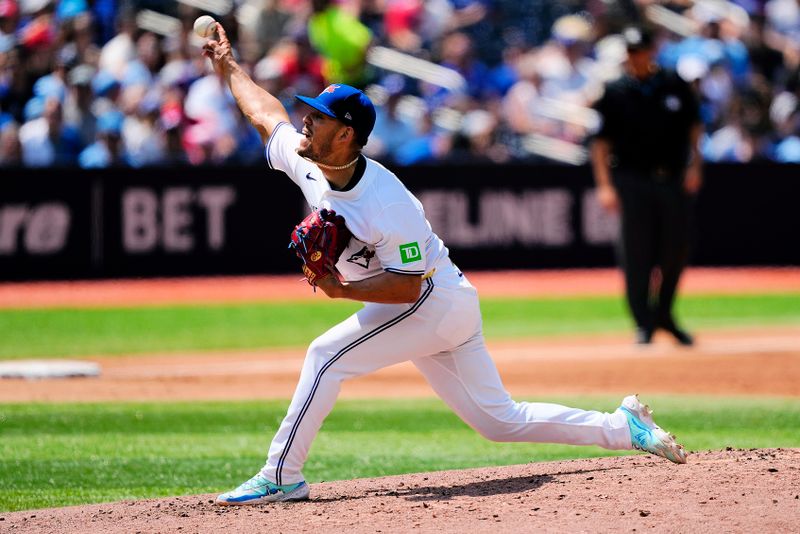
346, 133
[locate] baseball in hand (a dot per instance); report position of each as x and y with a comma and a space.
205, 26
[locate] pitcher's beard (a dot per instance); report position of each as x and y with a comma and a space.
318, 155
323, 152
306, 153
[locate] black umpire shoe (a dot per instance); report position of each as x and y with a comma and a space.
644, 336
681, 336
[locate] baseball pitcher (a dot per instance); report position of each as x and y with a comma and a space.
367, 239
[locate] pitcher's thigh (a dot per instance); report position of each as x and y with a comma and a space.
372, 338
467, 380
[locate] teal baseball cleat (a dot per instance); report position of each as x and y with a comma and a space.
259, 490
648, 436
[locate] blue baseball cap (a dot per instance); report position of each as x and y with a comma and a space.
346, 104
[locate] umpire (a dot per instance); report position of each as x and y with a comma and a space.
647, 165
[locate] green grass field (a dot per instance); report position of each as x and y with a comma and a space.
61, 454
84, 332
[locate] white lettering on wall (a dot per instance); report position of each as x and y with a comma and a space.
168, 221
40, 229
502, 218
216, 200
177, 219
139, 220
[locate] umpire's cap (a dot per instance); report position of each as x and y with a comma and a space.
348, 105
637, 38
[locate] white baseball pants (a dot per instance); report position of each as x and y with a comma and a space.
441, 334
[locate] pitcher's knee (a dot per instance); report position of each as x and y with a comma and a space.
322, 360
500, 422
496, 431
320, 353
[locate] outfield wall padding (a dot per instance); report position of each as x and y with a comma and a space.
71, 223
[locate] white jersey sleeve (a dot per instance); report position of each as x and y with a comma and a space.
280, 150
402, 240
281, 154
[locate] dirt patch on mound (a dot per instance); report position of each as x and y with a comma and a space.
721, 491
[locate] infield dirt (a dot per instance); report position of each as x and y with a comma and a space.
721, 491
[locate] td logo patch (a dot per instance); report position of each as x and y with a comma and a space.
409, 253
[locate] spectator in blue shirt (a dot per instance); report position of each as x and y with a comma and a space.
107, 150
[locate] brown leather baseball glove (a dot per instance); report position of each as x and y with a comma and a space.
319, 240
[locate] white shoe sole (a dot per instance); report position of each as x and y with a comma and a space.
669, 448
299, 494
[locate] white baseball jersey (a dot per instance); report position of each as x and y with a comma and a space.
440, 332
390, 232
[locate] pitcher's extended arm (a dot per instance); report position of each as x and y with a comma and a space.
263, 110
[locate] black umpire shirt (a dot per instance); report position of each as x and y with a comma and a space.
648, 122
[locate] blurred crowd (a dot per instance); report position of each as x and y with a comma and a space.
113, 82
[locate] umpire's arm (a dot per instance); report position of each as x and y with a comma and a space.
263, 110
600, 148
600, 154
693, 179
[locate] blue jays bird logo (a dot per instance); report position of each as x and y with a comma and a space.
331, 88
362, 257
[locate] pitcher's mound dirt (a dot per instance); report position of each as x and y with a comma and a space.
719, 491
